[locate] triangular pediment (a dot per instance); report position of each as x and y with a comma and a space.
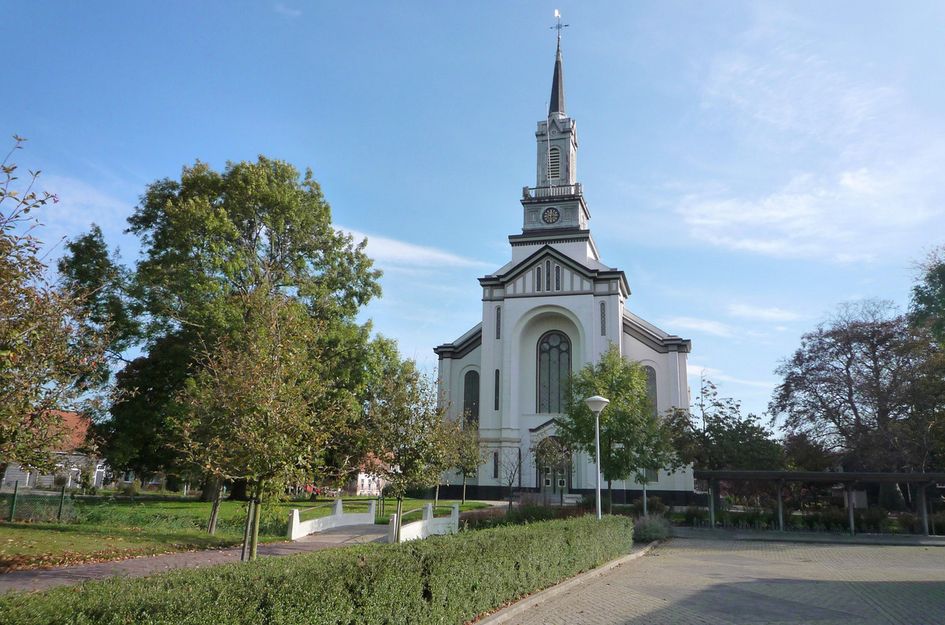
538, 258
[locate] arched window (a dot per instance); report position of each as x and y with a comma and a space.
498, 322
554, 164
547, 275
471, 397
554, 371
603, 319
557, 277
651, 387
538, 278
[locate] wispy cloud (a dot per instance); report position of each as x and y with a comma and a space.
861, 176
287, 11
80, 205
707, 326
401, 254
717, 375
762, 313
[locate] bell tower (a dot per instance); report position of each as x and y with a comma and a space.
556, 202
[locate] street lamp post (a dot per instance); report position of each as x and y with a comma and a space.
596, 405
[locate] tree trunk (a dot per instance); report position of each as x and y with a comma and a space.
464, 488
254, 539
247, 531
209, 488
400, 511
436, 497
215, 508
510, 496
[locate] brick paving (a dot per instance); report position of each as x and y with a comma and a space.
41, 579
715, 582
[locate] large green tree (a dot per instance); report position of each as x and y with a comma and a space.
867, 384
928, 295
50, 357
633, 437
208, 239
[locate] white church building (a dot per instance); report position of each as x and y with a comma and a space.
554, 307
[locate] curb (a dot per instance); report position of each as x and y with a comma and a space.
804, 538
525, 603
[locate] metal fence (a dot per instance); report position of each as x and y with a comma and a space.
37, 506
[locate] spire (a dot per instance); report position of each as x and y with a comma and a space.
557, 86
556, 104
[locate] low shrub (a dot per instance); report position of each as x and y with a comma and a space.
646, 529
654, 505
448, 579
531, 513
695, 516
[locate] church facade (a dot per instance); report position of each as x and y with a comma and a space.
554, 307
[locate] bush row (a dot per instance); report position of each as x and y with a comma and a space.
448, 579
871, 520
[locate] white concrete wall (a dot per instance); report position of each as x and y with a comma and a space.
427, 526
337, 518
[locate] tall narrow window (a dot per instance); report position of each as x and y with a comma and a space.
651, 388
498, 322
547, 275
538, 278
603, 319
554, 371
554, 164
496, 399
495, 464
471, 397
557, 277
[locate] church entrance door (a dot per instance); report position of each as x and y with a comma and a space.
554, 484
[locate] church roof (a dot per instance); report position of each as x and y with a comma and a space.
556, 104
650, 335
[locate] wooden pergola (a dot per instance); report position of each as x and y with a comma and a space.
847, 479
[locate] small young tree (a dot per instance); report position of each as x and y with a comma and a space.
405, 424
255, 410
633, 438
511, 463
49, 356
468, 453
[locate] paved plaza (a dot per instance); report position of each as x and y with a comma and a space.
715, 582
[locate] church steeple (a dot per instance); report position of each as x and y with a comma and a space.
555, 206
556, 104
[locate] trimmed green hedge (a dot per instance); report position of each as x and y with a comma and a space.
448, 579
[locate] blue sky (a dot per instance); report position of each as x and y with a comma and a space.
749, 165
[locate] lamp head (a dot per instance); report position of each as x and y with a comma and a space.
596, 403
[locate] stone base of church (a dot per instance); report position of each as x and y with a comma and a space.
621, 496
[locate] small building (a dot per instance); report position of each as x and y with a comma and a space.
71, 463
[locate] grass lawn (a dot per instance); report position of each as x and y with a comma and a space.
113, 530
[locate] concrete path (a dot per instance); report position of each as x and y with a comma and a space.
714, 582
40, 579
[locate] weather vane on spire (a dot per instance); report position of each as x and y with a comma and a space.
558, 26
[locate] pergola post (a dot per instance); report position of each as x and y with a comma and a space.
780, 506
712, 486
924, 509
850, 509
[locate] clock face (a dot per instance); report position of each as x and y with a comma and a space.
550, 215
